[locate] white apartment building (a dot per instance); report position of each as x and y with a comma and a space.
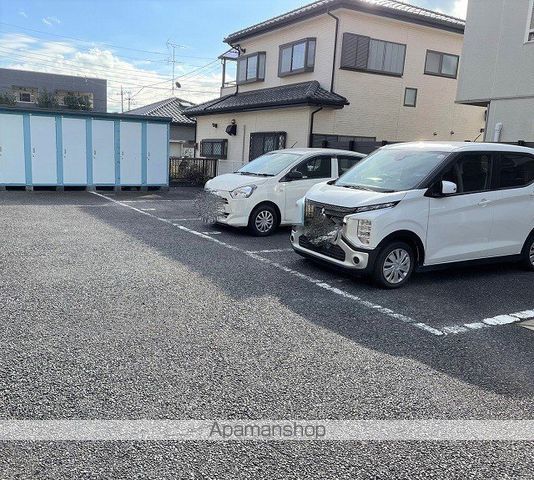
498, 67
341, 74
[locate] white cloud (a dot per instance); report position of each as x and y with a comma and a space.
459, 9
22, 13
146, 80
50, 21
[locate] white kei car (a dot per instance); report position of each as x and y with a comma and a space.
263, 194
418, 205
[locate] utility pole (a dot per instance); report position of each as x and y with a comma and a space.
173, 60
122, 100
129, 98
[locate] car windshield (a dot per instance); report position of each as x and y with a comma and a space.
391, 170
270, 164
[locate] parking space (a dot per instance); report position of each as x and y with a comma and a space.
125, 305
446, 302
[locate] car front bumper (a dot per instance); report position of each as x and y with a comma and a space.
340, 253
233, 212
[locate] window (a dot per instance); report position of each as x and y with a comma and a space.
530, 29
265, 142
316, 167
345, 142
410, 97
441, 64
370, 55
25, 97
345, 163
514, 170
251, 68
297, 57
214, 148
471, 173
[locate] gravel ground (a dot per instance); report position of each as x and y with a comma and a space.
109, 313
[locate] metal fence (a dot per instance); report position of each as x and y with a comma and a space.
191, 171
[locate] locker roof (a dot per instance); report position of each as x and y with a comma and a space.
84, 114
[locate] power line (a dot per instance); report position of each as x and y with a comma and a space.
100, 43
110, 78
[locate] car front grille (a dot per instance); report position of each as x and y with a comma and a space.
313, 210
329, 250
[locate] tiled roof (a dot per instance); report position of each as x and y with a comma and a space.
391, 8
306, 93
170, 107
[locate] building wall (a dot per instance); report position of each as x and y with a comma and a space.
516, 116
498, 66
51, 82
294, 121
376, 108
183, 132
498, 62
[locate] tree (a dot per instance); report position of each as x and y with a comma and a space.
7, 98
47, 99
77, 102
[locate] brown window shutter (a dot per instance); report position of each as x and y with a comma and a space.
355, 51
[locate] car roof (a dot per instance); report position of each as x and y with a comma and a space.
459, 147
327, 151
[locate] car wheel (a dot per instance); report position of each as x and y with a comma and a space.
394, 265
528, 254
263, 221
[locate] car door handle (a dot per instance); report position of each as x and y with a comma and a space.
484, 203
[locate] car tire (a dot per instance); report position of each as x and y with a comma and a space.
394, 265
528, 254
263, 221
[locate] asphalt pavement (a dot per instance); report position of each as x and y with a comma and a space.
127, 306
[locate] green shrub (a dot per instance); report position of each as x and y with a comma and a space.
47, 99
7, 99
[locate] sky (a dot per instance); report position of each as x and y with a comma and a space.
128, 42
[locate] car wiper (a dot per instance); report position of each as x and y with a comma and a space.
253, 174
358, 187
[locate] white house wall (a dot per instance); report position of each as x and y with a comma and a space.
497, 61
498, 67
376, 101
294, 121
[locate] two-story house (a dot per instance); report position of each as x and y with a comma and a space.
498, 67
339, 73
25, 86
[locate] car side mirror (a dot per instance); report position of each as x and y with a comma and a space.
442, 189
293, 175
448, 188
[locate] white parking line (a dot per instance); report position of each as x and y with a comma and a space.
490, 322
319, 283
443, 331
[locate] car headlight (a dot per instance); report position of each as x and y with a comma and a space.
243, 192
364, 231
380, 206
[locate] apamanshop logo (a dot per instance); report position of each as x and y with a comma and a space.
267, 431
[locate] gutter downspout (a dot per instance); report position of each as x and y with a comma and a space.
335, 50
312, 118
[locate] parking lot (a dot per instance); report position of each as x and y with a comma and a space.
126, 305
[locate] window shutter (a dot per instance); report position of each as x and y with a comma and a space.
355, 51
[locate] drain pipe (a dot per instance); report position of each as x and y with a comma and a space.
335, 50
312, 118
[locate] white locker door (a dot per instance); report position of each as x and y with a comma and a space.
43, 148
12, 162
74, 152
103, 152
130, 153
157, 161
